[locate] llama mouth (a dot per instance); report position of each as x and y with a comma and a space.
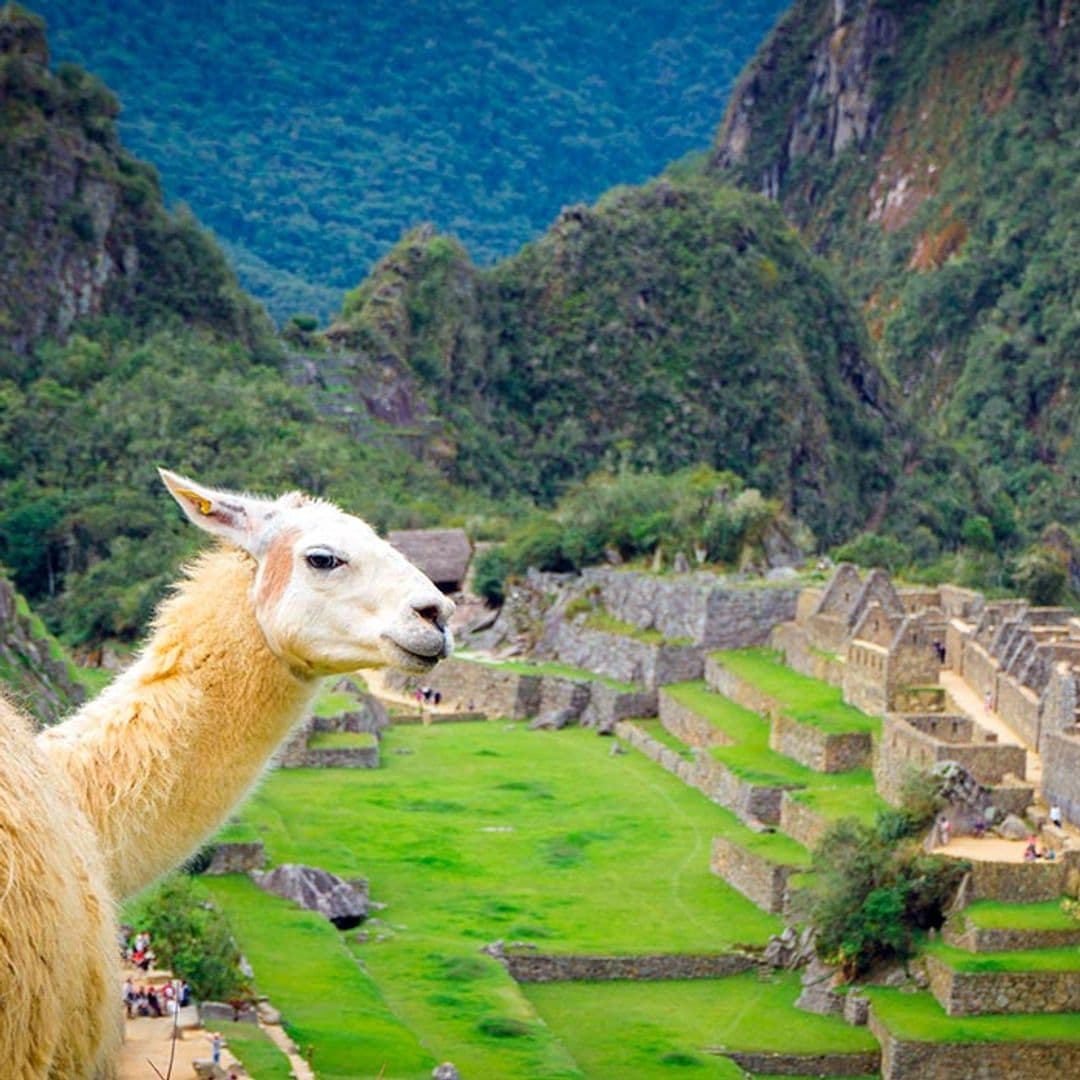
402, 656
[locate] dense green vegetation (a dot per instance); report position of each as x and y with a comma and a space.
190, 938
87, 530
663, 1029
955, 228
669, 325
309, 141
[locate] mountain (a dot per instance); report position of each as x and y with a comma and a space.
930, 151
669, 324
310, 137
125, 343
85, 233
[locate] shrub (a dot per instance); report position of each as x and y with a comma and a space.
872, 549
1041, 575
490, 572
874, 889
192, 938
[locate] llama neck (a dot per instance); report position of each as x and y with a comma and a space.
162, 757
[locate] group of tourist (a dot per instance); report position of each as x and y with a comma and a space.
151, 1000
137, 951
426, 696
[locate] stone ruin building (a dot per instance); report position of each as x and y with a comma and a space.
894, 651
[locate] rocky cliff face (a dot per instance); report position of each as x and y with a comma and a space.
929, 149
34, 672
820, 62
83, 228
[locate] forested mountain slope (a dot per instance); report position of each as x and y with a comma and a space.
125, 343
931, 150
669, 324
309, 137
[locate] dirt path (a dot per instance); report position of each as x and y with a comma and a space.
991, 721
984, 849
148, 1044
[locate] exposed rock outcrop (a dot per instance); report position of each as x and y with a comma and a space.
344, 903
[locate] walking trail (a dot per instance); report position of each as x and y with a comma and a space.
148, 1043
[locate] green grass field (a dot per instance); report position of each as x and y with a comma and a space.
608, 624
919, 1018
1066, 958
473, 832
993, 915
664, 1029
810, 701
262, 1059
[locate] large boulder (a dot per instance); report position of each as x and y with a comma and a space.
340, 901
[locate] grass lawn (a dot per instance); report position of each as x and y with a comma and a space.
1066, 958
325, 740
810, 701
663, 1028
301, 961
833, 795
656, 730
602, 620
259, 1055
919, 1018
546, 667
993, 915
472, 832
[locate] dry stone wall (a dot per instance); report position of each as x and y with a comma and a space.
1023, 883
961, 933
689, 726
748, 801
799, 655
984, 993
530, 967
821, 751
760, 880
778, 1063
800, 822
621, 657
902, 1059
236, 858
699, 607
1061, 771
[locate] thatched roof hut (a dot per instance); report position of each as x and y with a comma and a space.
443, 554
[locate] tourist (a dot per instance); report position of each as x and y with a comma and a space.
1031, 852
215, 1047
988, 700
130, 998
946, 831
1055, 816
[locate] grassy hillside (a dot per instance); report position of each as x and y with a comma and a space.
310, 138
669, 324
930, 151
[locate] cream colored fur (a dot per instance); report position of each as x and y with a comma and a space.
59, 1011
96, 808
161, 757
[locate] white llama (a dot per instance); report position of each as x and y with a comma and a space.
97, 807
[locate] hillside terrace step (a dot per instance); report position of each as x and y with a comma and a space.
808, 721
1031, 981
919, 1040
986, 927
755, 781
621, 656
520, 689
776, 1063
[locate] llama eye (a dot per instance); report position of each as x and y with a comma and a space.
323, 560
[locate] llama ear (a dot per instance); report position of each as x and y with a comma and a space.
235, 518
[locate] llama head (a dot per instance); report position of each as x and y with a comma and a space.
329, 595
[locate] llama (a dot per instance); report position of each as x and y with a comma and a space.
99, 806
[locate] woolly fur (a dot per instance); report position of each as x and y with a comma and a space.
96, 808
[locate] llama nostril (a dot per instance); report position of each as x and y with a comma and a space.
430, 614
